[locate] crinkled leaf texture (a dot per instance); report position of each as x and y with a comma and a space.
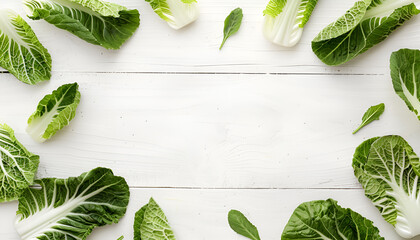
17, 167
54, 112
71, 208
386, 167
285, 19
177, 13
325, 219
21, 53
405, 73
101, 23
366, 24
150, 223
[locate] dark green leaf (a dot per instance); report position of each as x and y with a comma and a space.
232, 24
366, 24
326, 220
241, 225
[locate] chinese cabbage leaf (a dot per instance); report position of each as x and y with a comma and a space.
21, 53
150, 223
326, 220
366, 24
101, 23
54, 112
71, 208
388, 170
177, 13
405, 73
285, 19
17, 167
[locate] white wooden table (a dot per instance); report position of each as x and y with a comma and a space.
253, 127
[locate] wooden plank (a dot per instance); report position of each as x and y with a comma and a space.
157, 48
202, 214
213, 131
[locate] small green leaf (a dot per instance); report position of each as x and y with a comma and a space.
372, 114
232, 24
54, 112
121, 238
150, 223
241, 225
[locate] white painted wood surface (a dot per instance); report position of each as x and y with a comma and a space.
157, 48
254, 127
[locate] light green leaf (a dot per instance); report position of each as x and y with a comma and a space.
372, 114
138, 220
54, 112
386, 167
71, 208
232, 24
21, 53
95, 21
121, 238
17, 167
366, 24
150, 223
285, 19
177, 13
405, 73
241, 225
326, 220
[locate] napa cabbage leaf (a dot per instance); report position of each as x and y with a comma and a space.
325, 219
54, 112
177, 13
388, 170
98, 22
17, 167
285, 20
405, 73
366, 24
150, 223
71, 208
21, 53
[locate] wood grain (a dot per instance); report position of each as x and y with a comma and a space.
202, 214
254, 127
213, 131
157, 48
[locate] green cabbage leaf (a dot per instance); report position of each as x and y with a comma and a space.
71, 208
405, 73
388, 169
17, 167
366, 24
150, 223
21, 53
101, 23
326, 220
54, 112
